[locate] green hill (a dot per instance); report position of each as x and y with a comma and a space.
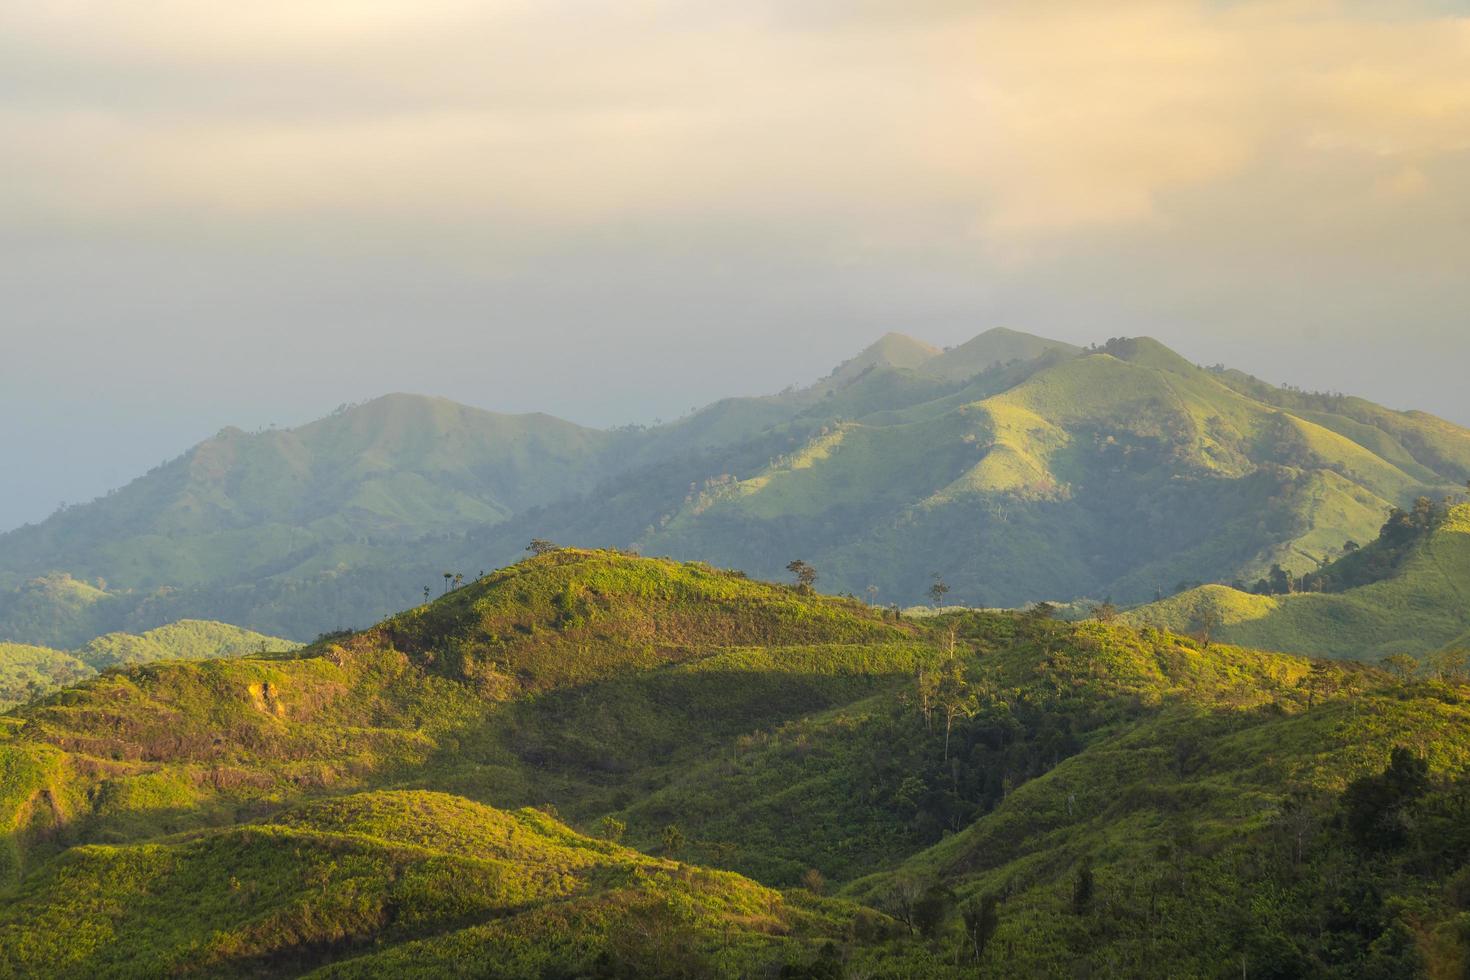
398, 884
1015, 467
27, 672
1421, 606
1001, 790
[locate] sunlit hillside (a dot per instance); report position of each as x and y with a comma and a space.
883, 796
1014, 467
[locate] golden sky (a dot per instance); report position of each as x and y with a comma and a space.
1021, 122
768, 184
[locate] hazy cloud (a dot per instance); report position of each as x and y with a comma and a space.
703, 178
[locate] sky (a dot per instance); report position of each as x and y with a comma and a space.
220, 213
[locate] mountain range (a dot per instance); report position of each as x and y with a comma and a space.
1012, 467
596, 764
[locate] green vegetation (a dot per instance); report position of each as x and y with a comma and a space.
1403, 593
737, 778
398, 884
1018, 468
27, 672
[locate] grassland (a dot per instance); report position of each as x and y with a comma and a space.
730, 778
1422, 608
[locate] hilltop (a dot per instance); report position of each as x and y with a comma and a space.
883, 796
1015, 467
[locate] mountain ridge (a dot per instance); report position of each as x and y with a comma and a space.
881, 475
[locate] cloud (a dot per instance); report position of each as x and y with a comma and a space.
1015, 126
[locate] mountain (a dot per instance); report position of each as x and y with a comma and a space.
736, 778
299, 500
1014, 467
1117, 472
28, 671
889, 352
993, 348
1416, 602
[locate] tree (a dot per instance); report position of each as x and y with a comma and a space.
426, 593
1209, 620
1320, 680
930, 909
814, 881
927, 688
458, 579
1042, 610
1400, 665
1450, 665
448, 576
872, 595
806, 575
1105, 611
611, 828
673, 838
900, 899
540, 546
937, 591
1082, 887
953, 695
1298, 820
981, 917
1374, 806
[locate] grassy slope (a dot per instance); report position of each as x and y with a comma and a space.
176, 744
29, 671
1051, 480
264, 503
778, 731
1186, 816
1422, 608
471, 693
401, 884
187, 639
1119, 473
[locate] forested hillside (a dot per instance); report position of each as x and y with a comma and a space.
1014, 467
882, 796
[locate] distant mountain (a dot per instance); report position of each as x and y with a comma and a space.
991, 349
1117, 472
891, 351
595, 764
28, 671
298, 500
1014, 467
